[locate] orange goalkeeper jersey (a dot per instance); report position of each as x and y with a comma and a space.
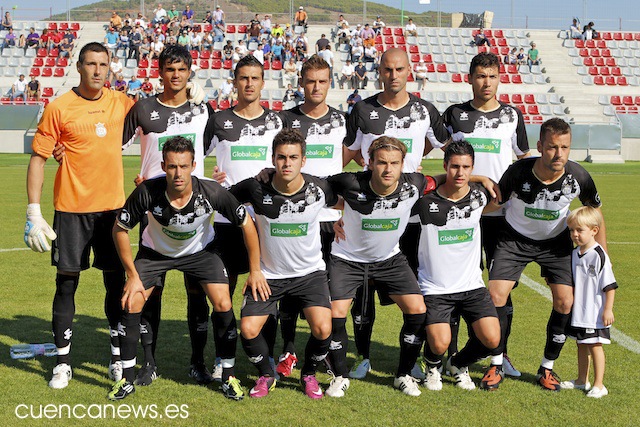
90, 178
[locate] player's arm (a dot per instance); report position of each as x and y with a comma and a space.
133, 285
607, 314
492, 187
255, 280
601, 236
36, 230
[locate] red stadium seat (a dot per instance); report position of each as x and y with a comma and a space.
637, 100
194, 54
52, 26
593, 71
398, 32
227, 64
529, 99
154, 63
441, 68
378, 39
516, 98
502, 42
632, 110
400, 40
621, 109
204, 64
502, 69
63, 62
512, 69
584, 52
53, 53
388, 40
75, 26
579, 44
504, 78
142, 73
214, 104
606, 53
242, 29
601, 44
47, 92
537, 119
276, 105
231, 29
216, 54
588, 61
527, 119
598, 80
154, 73
594, 52
264, 103
466, 78
41, 52
482, 49
267, 65
224, 104
197, 28
627, 100
64, 26
504, 51
143, 63
533, 110
628, 36
415, 57
276, 65
401, 47
504, 97
416, 94
610, 81
414, 49
427, 58
38, 62
58, 72
205, 54
610, 62
517, 79
46, 72
456, 78
35, 72
410, 77
522, 108
606, 36
386, 31
599, 62
590, 44
615, 100
616, 71
621, 81
431, 68
494, 50
498, 34
604, 71
216, 64
617, 36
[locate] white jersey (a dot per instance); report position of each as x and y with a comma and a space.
373, 224
449, 248
243, 147
324, 137
592, 277
288, 225
155, 123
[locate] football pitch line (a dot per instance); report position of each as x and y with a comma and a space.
624, 340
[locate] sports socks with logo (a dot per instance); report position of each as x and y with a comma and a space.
338, 347
225, 335
63, 310
556, 337
314, 353
114, 285
412, 336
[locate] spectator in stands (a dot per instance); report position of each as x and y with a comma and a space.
235, 58
344, 35
120, 84
512, 57
218, 33
255, 20
156, 48
126, 26
327, 55
341, 22
159, 15
421, 74
22, 42
288, 31
171, 38
266, 25
208, 19
298, 95
352, 99
55, 38
145, 47
301, 51
480, 39
361, 75
123, 43
369, 42
135, 41
321, 43
589, 32
188, 13
253, 33
277, 31
367, 32
242, 48
370, 54
146, 90
218, 16
19, 89
115, 21
133, 88
227, 91
196, 41
65, 49
173, 14
290, 73
289, 94
9, 40
7, 22
227, 50
111, 39
522, 58
266, 49
184, 39
574, 29
33, 89
355, 32
348, 74
533, 56
288, 51
33, 39
44, 39
357, 51
378, 25
207, 41
410, 29
259, 53
141, 20
115, 67
159, 86
185, 23
301, 18
277, 51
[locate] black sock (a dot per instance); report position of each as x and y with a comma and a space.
315, 352
411, 339
473, 351
129, 336
225, 335
288, 322
433, 360
503, 317
64, 308
454, 323
363, 313
114, 284
146, 339
197, 319
150, 322
270, 331
509, 306
338, 347
556, 334
258, 352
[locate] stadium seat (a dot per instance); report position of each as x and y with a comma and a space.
53, 53
504, 97
276, 105
606, 36
154, 73
588, 61
456, 78
621, 81
62, 62
213, 103
579, 44
441, 68
601, 44
414, 49
400, 40
388, 40
517, 79
75, 26
142, 73
415, 58
205, 54
616, 100
522, 108
431, 68
154, 63
584, 52
627, 100
52, 26
224, 104
227, 64
194, 54
46, 72
617, 36
427, 58
632, 110
143, 63
604, 71
537, 120
264, 103
204, 64
41, 52
504, 79
276, 65
590, 44
64, 26
35, 72
58, 72
610, 81
386, 31
616, 71
533, 110
216, 64
606, 53
529, 99
516, 98
598, 80
599, 62
242, 29
47, 92
512, 69
231, 29
38, 62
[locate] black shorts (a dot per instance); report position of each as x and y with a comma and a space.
590, 336
311, 290
229, 244
471, 305
77, 234
393, 276
490, 228
204, 267
515, 251
326, 238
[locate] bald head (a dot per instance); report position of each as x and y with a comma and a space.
394, 71
394, 54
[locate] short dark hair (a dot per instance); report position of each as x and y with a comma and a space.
459, 148
314, 63
174, 53
387, 143
554, 126
178, 144
92, 47
484, 60
248, 61
288, 136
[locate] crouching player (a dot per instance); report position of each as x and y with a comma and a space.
179, 236
449, 272
287, 209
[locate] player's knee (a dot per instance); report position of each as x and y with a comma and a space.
321, 330
249, 329
563, 304
439, 345
491, 340
222, 305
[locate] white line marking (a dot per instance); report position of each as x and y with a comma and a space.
14, 249
616, 335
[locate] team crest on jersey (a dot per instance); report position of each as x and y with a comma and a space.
337, 120
154, 115
295, 124
464, 116
311, 194
228, 124
267, 199
374, 115
526, 187
591, 270
101, 130
433, 207
415, 113
124, 216
157, 211
198, 207
196, 110
271, 121
361, 197
569, 185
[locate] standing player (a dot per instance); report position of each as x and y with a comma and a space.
324, 130
288, 207
242, 137
88, 121
393, 112
495, 130
155, 120
449, 272
179, 236
540, 191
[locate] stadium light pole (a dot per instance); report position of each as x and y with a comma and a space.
68, 10
402, 13
364, 11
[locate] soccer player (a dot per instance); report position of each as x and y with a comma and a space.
288, 208
155, 120
179, 236
324, 130
417, 123
242, 137
540, 191
449, 272
595, 290
495, 130
88, 121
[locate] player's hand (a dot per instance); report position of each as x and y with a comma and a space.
490, 185
608, 318
264, 174
259, 286
59, 153
195, 93
37, 231
132, 287
338, 229
139, 179
218, 176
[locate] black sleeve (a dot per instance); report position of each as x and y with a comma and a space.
136, 206
130, 127
588, 192
440, 133
331, 198
339, 182
352, 126
506, 182
522, 141
224, 202
244, 190
209, 134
